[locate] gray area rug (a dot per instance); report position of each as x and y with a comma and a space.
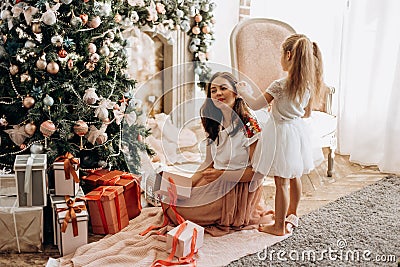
361, 229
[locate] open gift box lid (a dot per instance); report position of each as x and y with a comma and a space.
183, 184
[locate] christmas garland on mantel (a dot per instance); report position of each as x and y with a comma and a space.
54, 54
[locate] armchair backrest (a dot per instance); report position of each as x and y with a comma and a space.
255, 50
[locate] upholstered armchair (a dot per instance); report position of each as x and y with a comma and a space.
255, 55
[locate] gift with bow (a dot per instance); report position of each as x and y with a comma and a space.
74, 212
132, 191
108, 214
64, 167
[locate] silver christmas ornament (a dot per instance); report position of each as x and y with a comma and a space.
36, 149
49, 17
104, 50
30, 44
48, 101
75, 21
57, 40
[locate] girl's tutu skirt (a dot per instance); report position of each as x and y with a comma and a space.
285, 149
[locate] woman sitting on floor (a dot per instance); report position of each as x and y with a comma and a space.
226, 194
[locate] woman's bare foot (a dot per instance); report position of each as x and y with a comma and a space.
272, 229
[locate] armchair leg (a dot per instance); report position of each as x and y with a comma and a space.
331, 155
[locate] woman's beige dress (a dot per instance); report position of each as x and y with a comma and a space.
225, 206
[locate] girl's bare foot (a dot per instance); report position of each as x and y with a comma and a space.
272, 229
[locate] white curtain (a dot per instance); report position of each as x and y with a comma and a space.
369, 113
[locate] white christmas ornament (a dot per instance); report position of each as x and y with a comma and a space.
90, 97
49, 17
105, 9
57, 40
101, 111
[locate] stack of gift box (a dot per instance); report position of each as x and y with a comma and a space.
23, 194
111, 200
108, 200
70, 217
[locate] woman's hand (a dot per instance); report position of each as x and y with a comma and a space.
244, 89
211, 174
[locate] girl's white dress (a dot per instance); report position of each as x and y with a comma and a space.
285, 147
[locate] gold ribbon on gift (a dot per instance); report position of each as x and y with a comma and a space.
71, 215
69, 161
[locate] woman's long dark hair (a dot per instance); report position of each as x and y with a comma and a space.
211, 116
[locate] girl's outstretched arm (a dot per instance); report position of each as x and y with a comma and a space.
261, 101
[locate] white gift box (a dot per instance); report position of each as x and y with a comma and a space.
8, 183
62, 186
30, 171
183, 184
67, 242
21, 228
185, 239
59, 200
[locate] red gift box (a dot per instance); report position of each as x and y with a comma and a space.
91, 180
131, 184
107, 209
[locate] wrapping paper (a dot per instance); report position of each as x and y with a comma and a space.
21, 229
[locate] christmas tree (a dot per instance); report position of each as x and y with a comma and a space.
63, 80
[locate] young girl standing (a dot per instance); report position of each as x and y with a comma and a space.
285, 150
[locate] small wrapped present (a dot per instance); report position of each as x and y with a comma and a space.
66, 175
91, 180
107, 209
31, 176
166, 179
8, 183
132, 191
59, 200
21, 228
184, 234
72, 225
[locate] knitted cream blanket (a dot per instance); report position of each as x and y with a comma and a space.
128, 248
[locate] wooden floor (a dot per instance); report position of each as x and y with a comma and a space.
318, 190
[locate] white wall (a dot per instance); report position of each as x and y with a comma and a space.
227, 16
320, 20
